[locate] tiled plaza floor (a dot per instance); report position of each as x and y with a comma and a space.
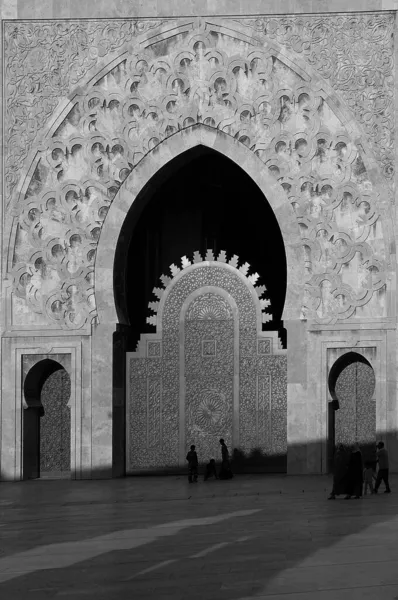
270, 537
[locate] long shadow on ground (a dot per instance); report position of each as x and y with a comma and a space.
235, 558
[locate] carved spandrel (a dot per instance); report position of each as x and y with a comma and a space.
290, 127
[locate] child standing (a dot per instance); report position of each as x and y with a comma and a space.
192, 459
368, 476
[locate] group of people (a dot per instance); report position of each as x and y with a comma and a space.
352, 479
193, 463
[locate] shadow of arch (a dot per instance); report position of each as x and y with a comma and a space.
352, 412
46, 421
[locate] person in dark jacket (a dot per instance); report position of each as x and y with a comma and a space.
192, 459
211, 469
355, 474
340, 464
382, 474
225, 471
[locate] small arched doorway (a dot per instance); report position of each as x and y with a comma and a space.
352, 411
46, 421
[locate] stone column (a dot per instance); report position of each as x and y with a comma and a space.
102, 400
296, 397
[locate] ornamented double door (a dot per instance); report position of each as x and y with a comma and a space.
209, 375
355, 421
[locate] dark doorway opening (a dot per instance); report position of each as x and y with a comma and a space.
352, 385
200, 200
46, 422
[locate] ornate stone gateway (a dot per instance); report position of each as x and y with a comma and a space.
208, 371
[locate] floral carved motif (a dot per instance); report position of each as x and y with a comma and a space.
208, 307
355, 53
210, 411
44, 62
247, 93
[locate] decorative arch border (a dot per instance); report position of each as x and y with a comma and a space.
209, 260
159, 157
338, 367
306, 72
166, 30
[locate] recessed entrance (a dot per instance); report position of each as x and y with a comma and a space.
352, 385
200, 200
46, 422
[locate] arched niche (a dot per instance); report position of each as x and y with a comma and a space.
352, 386
197, 201
130, 201
46, 421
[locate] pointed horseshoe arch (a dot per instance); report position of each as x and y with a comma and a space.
141, 176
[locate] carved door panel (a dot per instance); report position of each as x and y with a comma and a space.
356, 418
55, 425
209, 375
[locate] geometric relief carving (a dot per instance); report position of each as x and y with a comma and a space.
264, 346
154, 414
205, 365
208, 324
210, 411
154, 349
246, 92
264, 412
208, 414
208, 347
209, 306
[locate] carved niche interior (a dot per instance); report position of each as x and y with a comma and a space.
209, 371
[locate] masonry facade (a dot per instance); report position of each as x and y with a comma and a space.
93, 110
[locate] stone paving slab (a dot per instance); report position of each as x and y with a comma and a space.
263, 537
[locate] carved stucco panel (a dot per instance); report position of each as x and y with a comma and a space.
355, 54
212, 302
247, 92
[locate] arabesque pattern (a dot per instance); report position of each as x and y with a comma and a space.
356, 418
205, 396
355, 54
247, 92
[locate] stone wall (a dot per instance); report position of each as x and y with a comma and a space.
93, 108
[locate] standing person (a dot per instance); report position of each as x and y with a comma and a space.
225, 471
192, 459
355, 474
368, 476
211, 469
382, 475
339, 472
